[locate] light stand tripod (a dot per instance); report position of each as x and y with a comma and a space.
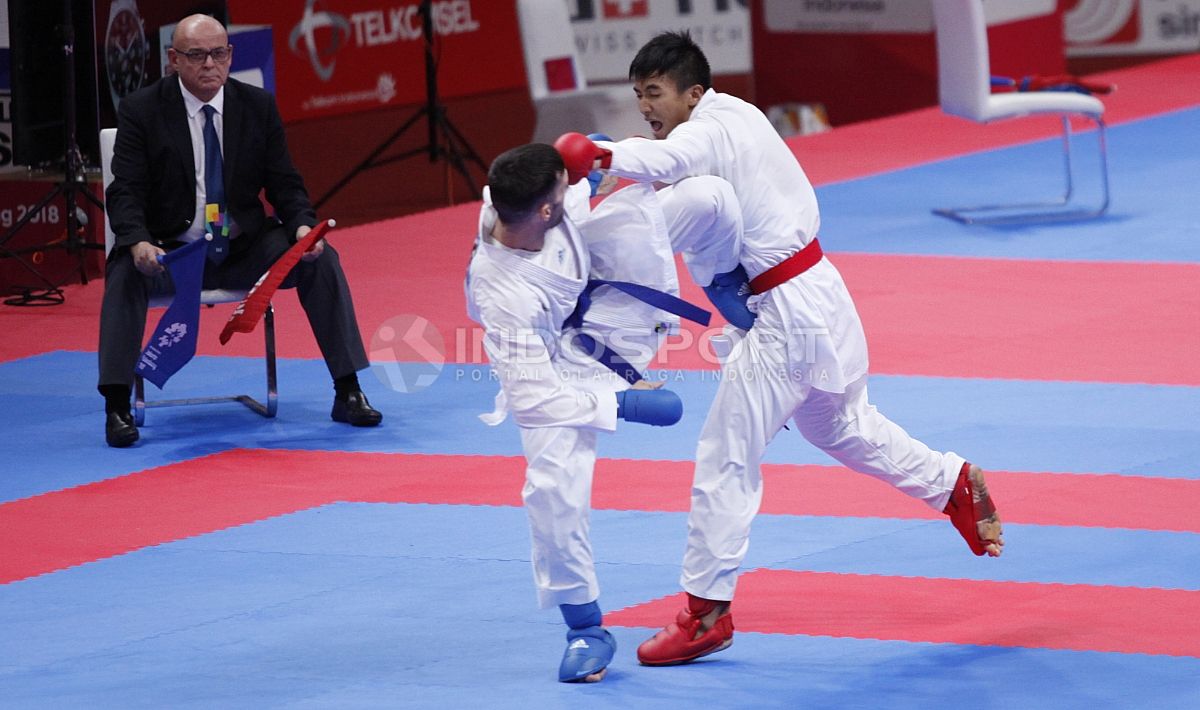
444, 139
74, 183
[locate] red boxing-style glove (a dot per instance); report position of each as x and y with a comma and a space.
580, 155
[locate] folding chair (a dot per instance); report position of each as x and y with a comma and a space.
965, 90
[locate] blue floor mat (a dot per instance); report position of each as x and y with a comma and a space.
429, 606
1149, 218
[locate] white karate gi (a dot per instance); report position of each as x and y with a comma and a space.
559, 397
804, 359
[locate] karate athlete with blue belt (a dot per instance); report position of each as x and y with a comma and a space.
803, 356
566, 374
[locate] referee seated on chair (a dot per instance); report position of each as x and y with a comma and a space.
157, 199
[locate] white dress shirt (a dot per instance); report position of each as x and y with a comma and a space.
193, 106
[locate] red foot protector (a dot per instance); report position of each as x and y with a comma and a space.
1078, 617
678, 643
965, 513
247, 313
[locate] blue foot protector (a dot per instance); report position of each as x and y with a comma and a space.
589, 651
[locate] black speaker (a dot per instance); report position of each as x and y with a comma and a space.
45, 85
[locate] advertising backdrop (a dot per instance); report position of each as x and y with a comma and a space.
127, 42
1098, 28
6, 156
864, 59
609, 32
345, 56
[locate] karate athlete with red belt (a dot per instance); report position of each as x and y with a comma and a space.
803, 357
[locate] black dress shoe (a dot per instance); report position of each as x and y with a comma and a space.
119, 429
356, 411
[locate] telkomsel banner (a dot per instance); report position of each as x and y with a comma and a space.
345, 56
609, 32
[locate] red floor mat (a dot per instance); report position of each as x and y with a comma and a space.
77, 525
1018, 614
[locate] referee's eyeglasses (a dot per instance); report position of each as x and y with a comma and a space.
219, 55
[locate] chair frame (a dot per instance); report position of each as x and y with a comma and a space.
1019, 213
964, 88
268, 410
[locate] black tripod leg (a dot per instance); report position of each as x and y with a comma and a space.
75, 240
20, 224
456, 161
453, 137
456, 149
69, 190
33, 212
92, 198
369, 162
73, 177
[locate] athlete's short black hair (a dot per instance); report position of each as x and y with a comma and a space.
672, 55
520, 179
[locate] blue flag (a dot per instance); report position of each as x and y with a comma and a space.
174, 340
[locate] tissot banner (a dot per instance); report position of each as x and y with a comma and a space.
609, 32
344, 56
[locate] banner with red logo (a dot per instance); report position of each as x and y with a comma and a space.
345, 56
1096, 28
608, 33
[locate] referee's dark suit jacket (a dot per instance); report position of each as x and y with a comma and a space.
152, 196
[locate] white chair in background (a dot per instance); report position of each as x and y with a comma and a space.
561, 97
208, 297
964, 90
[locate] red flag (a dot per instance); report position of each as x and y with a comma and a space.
247, 314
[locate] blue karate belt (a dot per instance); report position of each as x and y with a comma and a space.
662, 301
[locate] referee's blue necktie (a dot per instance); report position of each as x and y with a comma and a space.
214, 186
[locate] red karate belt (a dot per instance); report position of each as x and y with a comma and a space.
247, 314
787, 269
